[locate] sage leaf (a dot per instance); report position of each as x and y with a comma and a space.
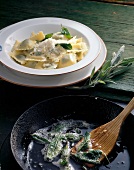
84, 143
54, 148
117, 57
108, 80
65, 32
65, 155
92, 156
106, 65
73, 137
40, 138
92, 73
63, 126
48, 36
127, 61
118, 71
65, 46
101, 81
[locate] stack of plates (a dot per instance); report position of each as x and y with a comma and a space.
12, 72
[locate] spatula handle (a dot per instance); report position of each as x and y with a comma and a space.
126, 111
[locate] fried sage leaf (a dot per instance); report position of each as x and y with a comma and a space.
92, 156
84, 144
65, 155
74, 137
54, 148
63, 126
40, 138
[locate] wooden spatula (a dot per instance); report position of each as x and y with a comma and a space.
105, 136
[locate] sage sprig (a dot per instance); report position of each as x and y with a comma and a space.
111, 68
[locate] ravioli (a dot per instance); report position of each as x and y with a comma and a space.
49, 51
27, 44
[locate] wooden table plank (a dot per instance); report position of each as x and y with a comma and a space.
123, 2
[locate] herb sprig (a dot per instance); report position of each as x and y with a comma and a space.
111, 68
65, 32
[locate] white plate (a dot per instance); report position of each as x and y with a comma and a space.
53, 81
22, 30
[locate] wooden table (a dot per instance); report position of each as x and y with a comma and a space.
113, 22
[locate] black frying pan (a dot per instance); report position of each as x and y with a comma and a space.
96, 111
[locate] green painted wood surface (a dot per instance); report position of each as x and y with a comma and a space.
114, 23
